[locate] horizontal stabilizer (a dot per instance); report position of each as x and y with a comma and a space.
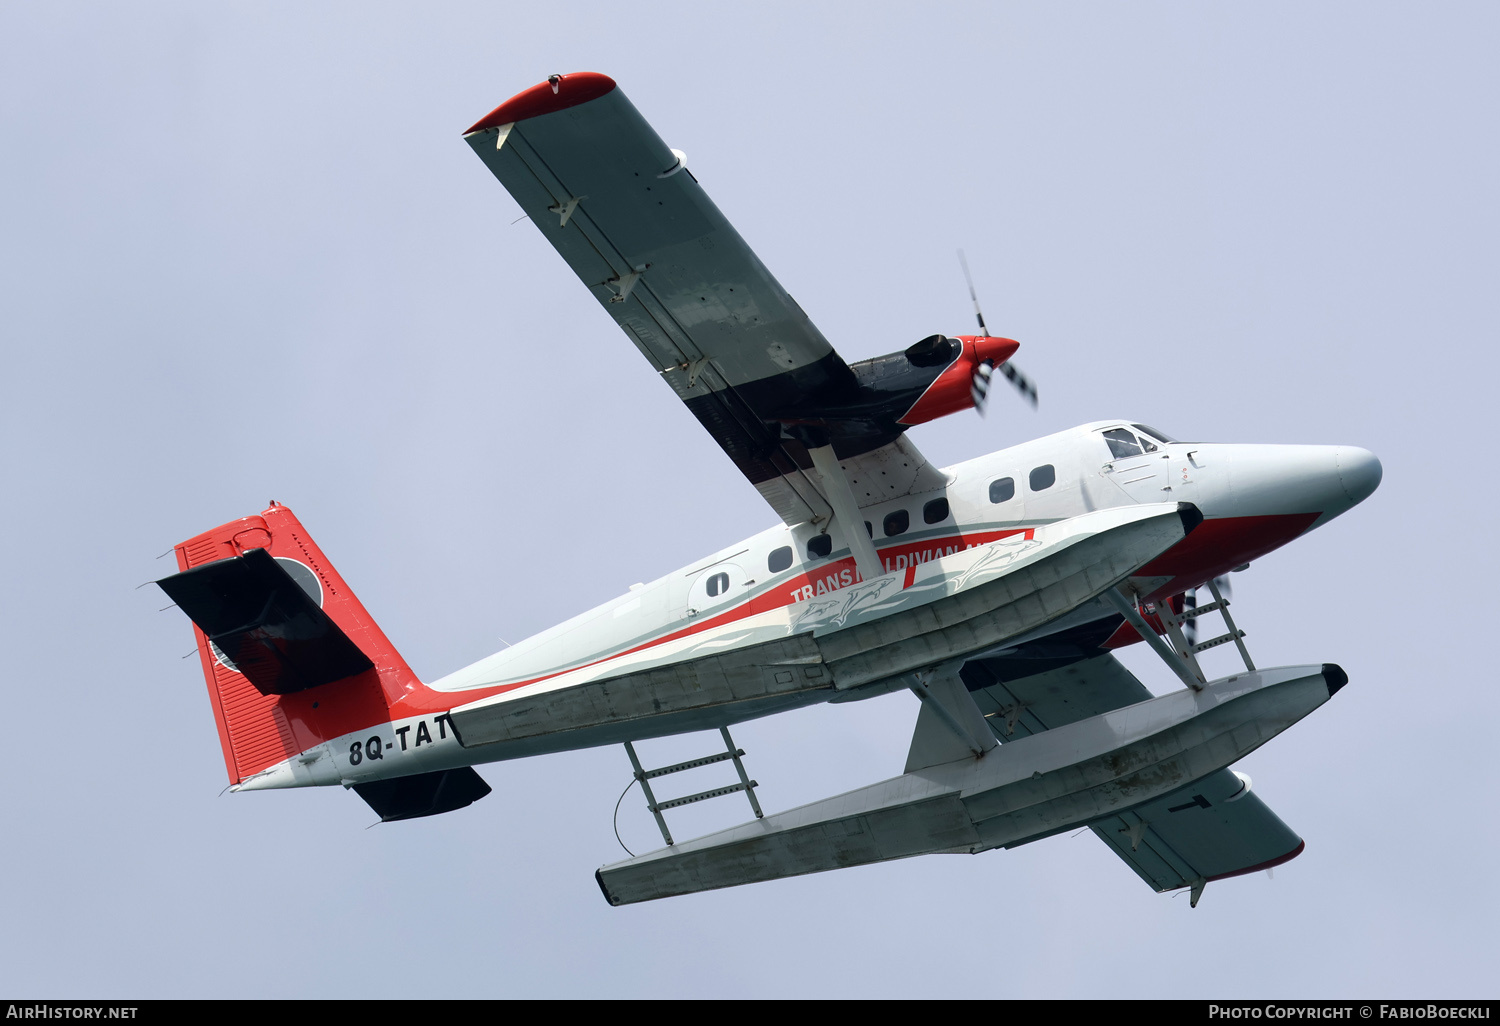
264, 624
424, 794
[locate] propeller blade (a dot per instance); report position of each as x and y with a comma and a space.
1022, 382
978, 316
979, 388
1225, 588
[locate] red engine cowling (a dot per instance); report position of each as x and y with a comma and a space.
954, 389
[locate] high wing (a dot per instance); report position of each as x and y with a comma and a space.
633, 223
1209, 830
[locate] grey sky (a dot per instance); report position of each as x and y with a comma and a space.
245, 255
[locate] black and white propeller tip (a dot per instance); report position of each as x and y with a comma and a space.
979, 387
1019, 381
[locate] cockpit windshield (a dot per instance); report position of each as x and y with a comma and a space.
1168, 439
1123, 444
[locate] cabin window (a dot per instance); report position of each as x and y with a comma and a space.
869, 530
1122, 444
1003, 490
897, 523
819, 546
718, 584
1043, 477
779, 559
935, 512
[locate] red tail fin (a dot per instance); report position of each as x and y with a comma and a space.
258, 730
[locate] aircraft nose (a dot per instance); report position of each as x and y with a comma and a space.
1289, 479
1359, 473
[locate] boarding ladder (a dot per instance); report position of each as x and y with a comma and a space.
645, 777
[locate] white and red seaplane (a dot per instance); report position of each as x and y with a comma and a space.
995, 589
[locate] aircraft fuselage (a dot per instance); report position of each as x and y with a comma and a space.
1253, 498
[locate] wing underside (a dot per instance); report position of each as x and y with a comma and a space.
1212, 829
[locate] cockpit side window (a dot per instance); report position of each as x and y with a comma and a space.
1122, 443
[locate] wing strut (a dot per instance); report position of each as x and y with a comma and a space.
950, 724
1187, 653
846, 511
1189, 674
1182, 658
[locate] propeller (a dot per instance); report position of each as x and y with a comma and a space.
1190, 604
979, 388
986, 370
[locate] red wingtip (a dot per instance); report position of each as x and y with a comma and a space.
1268, 864
557, 93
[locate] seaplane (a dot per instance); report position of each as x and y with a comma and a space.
996, 590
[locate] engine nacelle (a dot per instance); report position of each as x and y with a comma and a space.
935, 377
885, 395
964, 381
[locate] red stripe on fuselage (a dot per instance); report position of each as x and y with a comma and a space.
838, 574
335, 719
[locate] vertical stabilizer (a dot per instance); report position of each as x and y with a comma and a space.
314, 667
